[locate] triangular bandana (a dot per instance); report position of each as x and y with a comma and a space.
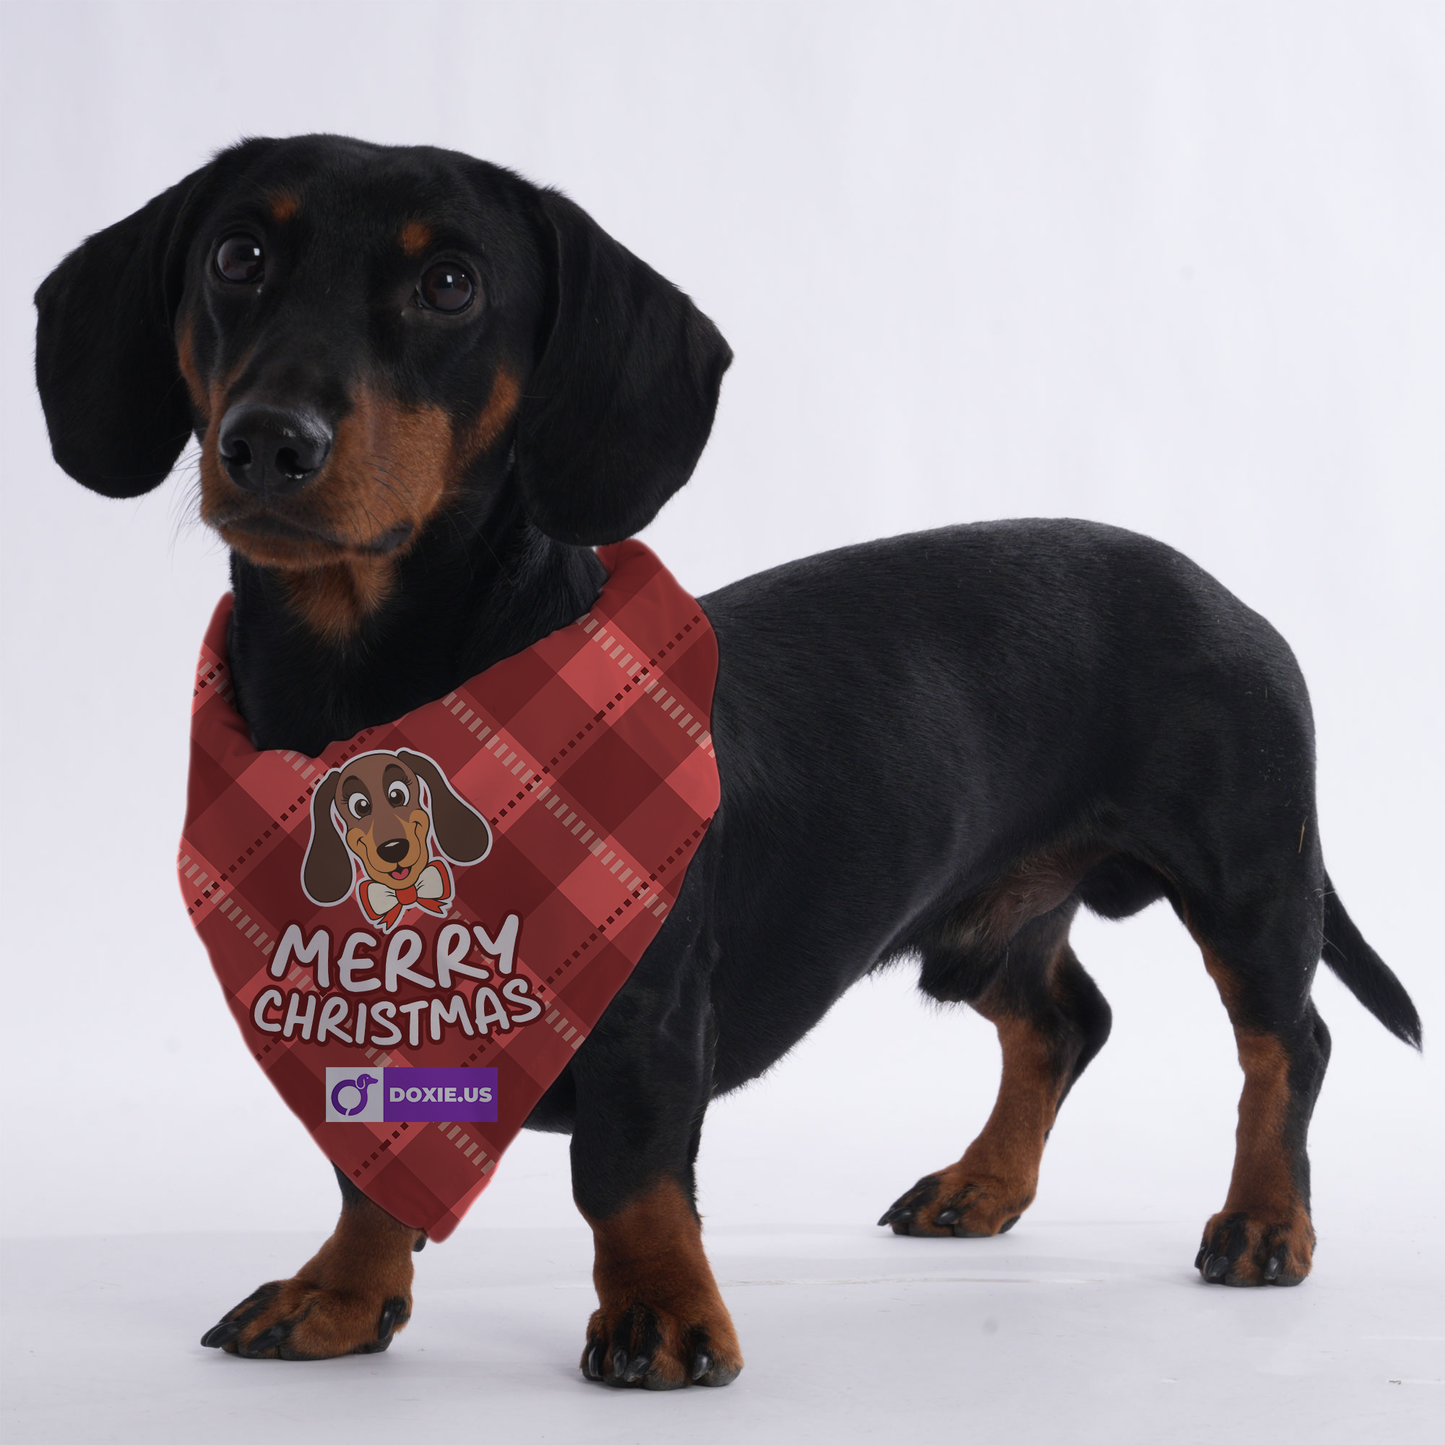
416, 930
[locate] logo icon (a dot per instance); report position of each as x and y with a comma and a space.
354, 1096
359, 1085
401, 825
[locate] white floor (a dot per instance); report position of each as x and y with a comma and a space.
1084, 1332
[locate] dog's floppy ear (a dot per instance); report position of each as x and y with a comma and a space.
621, 402
328, 872
105, 351
462, 833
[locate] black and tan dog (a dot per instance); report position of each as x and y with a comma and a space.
423, 389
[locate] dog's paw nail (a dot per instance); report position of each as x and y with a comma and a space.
619, 1363
1273, 1265
268, 1339
392, 1311
221, 1334
1008, 1224
701, 1364
592, 1365
637, 1367
947, 1217
1201, 1256
1216, 1267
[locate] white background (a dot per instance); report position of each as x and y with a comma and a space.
1176, 267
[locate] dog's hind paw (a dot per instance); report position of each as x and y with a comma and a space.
959, 1204
1239, 1249
290, 1319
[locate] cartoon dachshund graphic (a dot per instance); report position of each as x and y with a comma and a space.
378, 797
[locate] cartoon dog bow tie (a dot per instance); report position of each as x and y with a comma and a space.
432, 891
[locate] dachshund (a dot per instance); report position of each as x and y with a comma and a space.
424, 390
386, 826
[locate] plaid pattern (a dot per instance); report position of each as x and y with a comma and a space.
590, 755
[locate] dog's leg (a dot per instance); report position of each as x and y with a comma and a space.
660, 1321
350, 1299
1263, 1235
1051, 1021
642, 1084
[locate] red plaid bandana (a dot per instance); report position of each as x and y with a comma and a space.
412, 1007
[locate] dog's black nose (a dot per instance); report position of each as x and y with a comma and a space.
271, 450
393, 850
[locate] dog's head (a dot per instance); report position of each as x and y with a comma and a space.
364, 338
386, 823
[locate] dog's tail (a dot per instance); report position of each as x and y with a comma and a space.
1365, 973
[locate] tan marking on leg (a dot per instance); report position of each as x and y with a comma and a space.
335, 1301
1263, 1200
369, 1252
997, 1177
416, 237
1261, 1180
1224, 981
649, 1256
1011, 1144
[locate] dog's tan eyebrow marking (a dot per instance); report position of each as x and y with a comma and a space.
416, 236
284, 205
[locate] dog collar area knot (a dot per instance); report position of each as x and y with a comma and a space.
416, 930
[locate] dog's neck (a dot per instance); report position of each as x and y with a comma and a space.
467, 594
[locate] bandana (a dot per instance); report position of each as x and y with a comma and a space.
418, 929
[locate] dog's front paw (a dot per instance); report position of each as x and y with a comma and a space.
960, 1203
1240, 1249
290, 1319
655, 1349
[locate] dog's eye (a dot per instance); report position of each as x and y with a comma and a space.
445, 287
240, 259
359, 804
397, 795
